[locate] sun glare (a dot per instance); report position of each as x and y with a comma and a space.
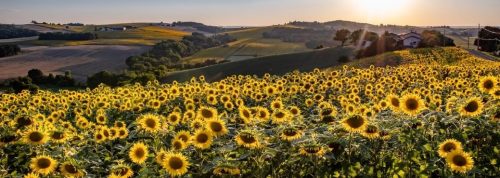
381, 7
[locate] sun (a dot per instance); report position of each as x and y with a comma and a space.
381, 7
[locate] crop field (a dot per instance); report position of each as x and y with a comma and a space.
426, 117
249, 44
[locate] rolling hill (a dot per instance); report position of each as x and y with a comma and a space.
277, 64
250, 44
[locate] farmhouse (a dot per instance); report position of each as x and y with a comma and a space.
410, 40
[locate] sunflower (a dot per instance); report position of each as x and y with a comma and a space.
486, 84
174, 118
370, 132
59, 136
261, 113
411, 104
207, 113
247, 139
459, 161
280, 116
197, 124
202, 139
290, 134
69, 170
138, 153
276, 104
245, 114
34, 136
312, 150
149, 123
183, 135
226, 170
43, 165
393, 102
354, 123
122, 133
294, 110
472, 107
121, 171
448, 146
216, 126
176, 164
178, 144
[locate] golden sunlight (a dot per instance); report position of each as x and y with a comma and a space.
381, 7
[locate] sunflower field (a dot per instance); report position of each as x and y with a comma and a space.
419, 119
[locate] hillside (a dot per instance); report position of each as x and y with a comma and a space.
277, 64
250, 44
144, 34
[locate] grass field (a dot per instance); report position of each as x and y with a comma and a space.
143, 35
250, 44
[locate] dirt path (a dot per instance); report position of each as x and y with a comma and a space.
82, 61
482, 55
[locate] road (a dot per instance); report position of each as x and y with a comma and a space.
482, 55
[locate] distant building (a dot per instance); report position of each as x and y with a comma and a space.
410, 40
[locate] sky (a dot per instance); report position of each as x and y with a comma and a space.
254, 12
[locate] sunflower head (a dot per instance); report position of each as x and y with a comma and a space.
411, 104
291, 133
43, 165
471, 107
34, 136
70, 170
312, 149
121, 171
138, 153
448, 146
176, 164
486, 84
248, 139
354, 123
149, 123
459, 161
371, 132
207, 113
216, 126
226, 170
202, 139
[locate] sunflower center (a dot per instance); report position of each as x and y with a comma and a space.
312, 149
175, 162
459, 160
355, 121
202, 138
448, 147
58, 135
328, 118
70, 169
290, 132
215, 126
471, 106
139, 153
280, 115
206, 113
488, 84
248, 138
173, 118
395, 102
150, 123
23, 121
177, 145
246, 113
411, 104
44, 163
36, 136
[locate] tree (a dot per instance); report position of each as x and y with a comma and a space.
342, 36
36, 75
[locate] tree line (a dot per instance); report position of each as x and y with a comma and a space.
11, 31
9, 50
36, 79
164, 57
67, 36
